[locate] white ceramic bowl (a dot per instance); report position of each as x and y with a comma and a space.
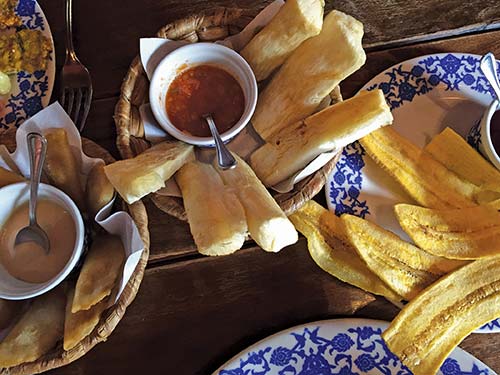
486, 144
187, 57
13, 196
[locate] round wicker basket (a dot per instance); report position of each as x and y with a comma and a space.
208, 27
110, 318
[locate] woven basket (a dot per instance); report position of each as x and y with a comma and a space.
110, 318
208, 27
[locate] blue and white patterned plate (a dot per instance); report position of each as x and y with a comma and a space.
335, 347
30, 92
426, 94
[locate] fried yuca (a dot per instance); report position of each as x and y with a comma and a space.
433, 324
61, 166
296, 21
99, 273
293, 147
310, 74
146, 173
98, 191
458, 156
267, 223
403, 267
467, 233
215, 215
8, 177
427, 181
38, 330
339, 259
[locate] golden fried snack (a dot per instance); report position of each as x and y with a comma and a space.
403, 267
100, 271
291, 148
61, 166
146, 173
467, 233
267, 223
8, 16
79, 325
26, 50
39, 329
339, 259
458, 156
295, 22
8, 177
310, 74
215, 214
98, 191
433, 324
427, 181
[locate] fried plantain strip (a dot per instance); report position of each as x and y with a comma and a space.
468, 233
429, 182
434, 323
403, 267
339, 259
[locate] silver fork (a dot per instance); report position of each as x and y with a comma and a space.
76, 84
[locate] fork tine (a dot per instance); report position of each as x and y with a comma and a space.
78, 103
71, 97
86, 107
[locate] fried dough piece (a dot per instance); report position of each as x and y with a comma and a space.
99, 191
8, 177
100, 271
8, 16
295, 22
38, 331
433, 324
310, 74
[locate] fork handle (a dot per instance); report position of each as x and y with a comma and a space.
37, 148
70, 50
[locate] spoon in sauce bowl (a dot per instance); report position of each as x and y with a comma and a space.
37, 148
224, 157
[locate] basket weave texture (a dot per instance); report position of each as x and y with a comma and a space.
110, 318
208, 27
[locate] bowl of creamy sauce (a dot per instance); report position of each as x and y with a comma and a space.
26, 270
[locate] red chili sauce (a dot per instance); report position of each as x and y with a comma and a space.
495, 131
204, 89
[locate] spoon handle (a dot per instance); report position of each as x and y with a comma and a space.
224, 157
488, 67
37, 148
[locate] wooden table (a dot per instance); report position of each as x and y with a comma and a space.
192, 313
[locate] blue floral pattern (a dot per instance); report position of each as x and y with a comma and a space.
32, 87
353, 351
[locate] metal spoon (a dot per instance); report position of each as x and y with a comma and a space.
488, 67
224, 158
37, 148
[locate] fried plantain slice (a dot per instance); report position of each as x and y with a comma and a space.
339, 259
467, 233
428, 181
403, 267
450, 149
434, 323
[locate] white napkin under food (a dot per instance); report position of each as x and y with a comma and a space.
153, 50
119, 223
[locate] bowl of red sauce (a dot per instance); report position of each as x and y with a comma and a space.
200, 79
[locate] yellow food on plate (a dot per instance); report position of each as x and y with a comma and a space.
310, 74
37, 332
7, 177
8, 16
267, 223
339, 259
215, 214
433, 324
146, 173
61, 166
99, 191
403, 267
427, 181
5, 84
458, 156
26, 50
296, 21
100, 272
79, 325
467, 233
293, 147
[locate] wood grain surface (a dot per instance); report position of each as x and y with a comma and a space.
193, 313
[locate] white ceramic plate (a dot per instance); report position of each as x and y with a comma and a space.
426, 94
335, 347
30, 92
